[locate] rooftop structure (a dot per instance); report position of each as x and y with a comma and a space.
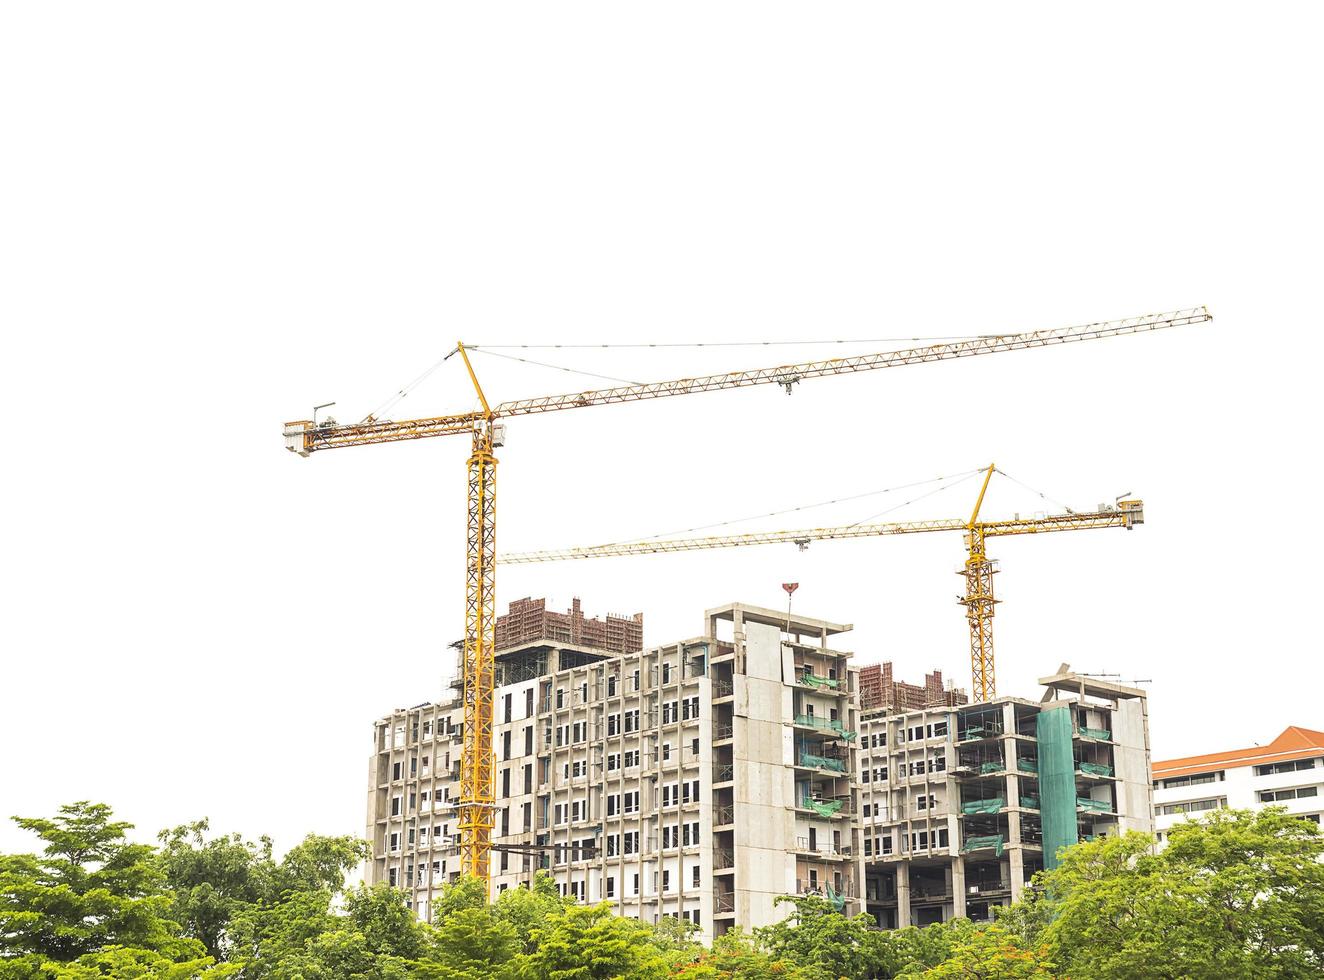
878, 689
528, 620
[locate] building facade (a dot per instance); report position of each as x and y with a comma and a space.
705, 779
701, 780
1288, 772
960, 806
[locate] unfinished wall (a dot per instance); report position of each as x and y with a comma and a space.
527, 620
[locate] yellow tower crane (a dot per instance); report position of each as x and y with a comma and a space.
306, 437
978, 571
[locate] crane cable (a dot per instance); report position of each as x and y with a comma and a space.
1040, 493
740, 343
956, 478
554, 367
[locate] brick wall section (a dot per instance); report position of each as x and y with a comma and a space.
879, 689
529, 619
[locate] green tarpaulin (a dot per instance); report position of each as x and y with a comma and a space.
992, 805
822, 762
1097, 806
812, 679
1095, 769
994, 841
1027, 765
838, 901
822, 809
1102, 734
988, 767
1057, 782
1030, 802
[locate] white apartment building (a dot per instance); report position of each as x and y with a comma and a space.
1288, 772
700, 780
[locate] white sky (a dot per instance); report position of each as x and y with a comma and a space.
214, 217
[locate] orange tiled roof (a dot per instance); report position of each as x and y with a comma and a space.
1293, 743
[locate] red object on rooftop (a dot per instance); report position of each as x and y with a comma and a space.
790, 586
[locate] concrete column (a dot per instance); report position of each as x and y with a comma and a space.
958, 886
902, 895
1016, 858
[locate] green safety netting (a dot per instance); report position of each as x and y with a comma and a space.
1057, 782
1102, 734
1095, 769
1096, 806
821, 808
994, 841
822, 762
1027, 765
812, 679
988, 767
970, 734
992, 805
838, 901
842, 731
1030, 802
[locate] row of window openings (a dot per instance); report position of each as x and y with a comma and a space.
915, 733
1270, 769
614, 685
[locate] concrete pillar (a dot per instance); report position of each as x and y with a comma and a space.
902, 895
1017, 862
958, 886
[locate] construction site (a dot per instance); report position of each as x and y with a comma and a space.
704, 778
709, 777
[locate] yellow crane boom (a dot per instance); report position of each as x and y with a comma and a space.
978, 571
305, 437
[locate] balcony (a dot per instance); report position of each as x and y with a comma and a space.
985, 842
723, 859
990, 805
820, 849
1094, 734
722, 688
827, 808
810, 761
723, 774
724, 902
721, 732
834, 728
812, 886
723, 814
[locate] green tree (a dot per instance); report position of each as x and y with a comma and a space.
527, 910
735, 956
210, 880
987, 953
1237, 894
822, 942
89, 890
593, 944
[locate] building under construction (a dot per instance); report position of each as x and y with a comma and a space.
704, 778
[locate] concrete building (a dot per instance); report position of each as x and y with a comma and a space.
1288, 772
960, 806
706, 778
701, 779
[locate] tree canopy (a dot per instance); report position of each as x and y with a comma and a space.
1236, 895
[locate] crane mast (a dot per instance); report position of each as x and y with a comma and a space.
305, 437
